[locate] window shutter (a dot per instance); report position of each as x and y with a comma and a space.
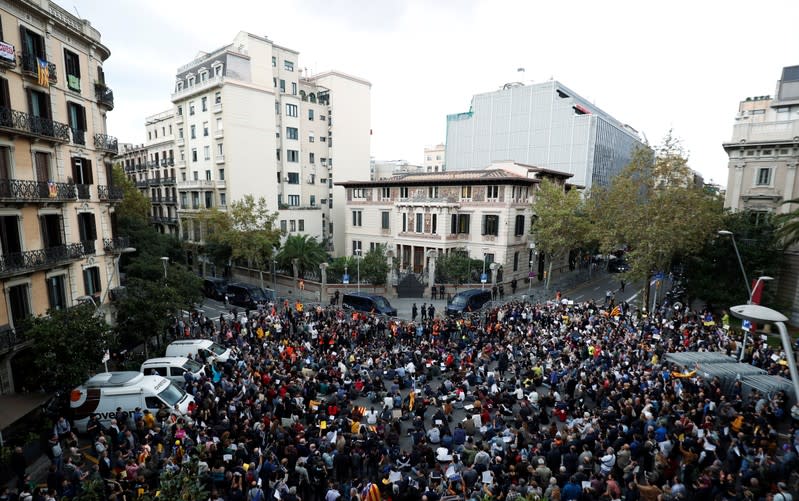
483, 226
82, 118
5, 98
453, 225
76, 177
87, 171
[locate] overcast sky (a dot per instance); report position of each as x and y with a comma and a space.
656, 66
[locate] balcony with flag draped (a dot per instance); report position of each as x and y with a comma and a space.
43, 70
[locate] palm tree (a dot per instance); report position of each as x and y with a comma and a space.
788, 225
308, 252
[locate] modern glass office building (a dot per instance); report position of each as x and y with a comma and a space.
545, 125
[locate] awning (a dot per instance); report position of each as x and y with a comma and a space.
15, 407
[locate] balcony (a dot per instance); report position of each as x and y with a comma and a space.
18, 122
78, 136
89, 247
168, 181
20, 190
200, 184
109, 193
84, 191
115, 244
178, 119
180, 141
108, 144
15, 263
143, 183
198, 87
219, 133
217, 108
104, 96
220, 159
30, 67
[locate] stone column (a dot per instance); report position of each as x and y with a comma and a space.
431, 267
493, 267
790, 181
323, 295
390, 291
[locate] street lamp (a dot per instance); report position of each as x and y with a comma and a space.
483, 282
165, 262
358, 263
746, 333
725, 233
274, 277
761, 314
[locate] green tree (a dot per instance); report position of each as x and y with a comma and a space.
69, 344
247, 228
787, 225
184, 484
457, 267
134, 205
338, 266
713, 274
307, 251
655, 208
374, 267
561, 222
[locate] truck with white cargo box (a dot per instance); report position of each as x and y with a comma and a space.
104, 393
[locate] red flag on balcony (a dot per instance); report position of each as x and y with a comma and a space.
44, 72
53, 189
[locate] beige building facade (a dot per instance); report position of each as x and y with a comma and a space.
58, 244
435, 158
418, 216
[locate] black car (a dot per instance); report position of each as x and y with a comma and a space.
371, 303
214, 288
248, 296
618, 266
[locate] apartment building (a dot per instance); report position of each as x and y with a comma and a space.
382, 169
763, 157
487, 212
57, 232
249, 120
545, 124
435, 158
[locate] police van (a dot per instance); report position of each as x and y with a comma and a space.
103, 394
173, 368
205, 349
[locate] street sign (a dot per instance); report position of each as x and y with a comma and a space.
660, 275
483, 278
346, 279
746, 325
531, 274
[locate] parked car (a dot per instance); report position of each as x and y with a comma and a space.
468, 301
372, 303
214, 288
249, 296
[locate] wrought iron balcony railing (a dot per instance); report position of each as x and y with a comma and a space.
25, 190
109, 193
31, 125
78, 136
104, 142
104, 95
30, 65
115, 244
25, 262
84, 191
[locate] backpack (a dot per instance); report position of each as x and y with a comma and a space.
257, 495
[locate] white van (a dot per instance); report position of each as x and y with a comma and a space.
102, 394
173, 368
205, 348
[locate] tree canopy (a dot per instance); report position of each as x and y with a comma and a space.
560, 221
306, 250
374, 267
133, 205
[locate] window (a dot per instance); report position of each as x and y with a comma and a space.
432, 192
301, 225
82, 171
294, 88
219, 149
56, 292
490, 225
310, 115
288, 65
184, 200
292, 225
91, 281
194, 154
72, 66
492, 192
434, 224
311, 158
294, 178
466, 192
385, 219
205, 129
460, 223
19, 303
292, 156
217, 70
221, 174
518, 227
87, 230
277, 107
222, 200
218, 94
209, 199
294, 200
191, 107
357, 218
763, 176
356, 247
291, 110
195, 175
292, 133
180, 110
274, 61
385, 193
311, 178
419, 222
403, 192
277, 152
219, 126
204, 102
282, 85
77, 122
404, 222
207, 152
312, 201
180, 133
515, 261
283, 226
193, 132
311, 138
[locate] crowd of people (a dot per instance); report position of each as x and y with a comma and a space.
556, 401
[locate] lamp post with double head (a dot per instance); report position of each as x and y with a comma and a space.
358, 253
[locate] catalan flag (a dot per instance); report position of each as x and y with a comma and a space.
615, 312
371, 493
43, 71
